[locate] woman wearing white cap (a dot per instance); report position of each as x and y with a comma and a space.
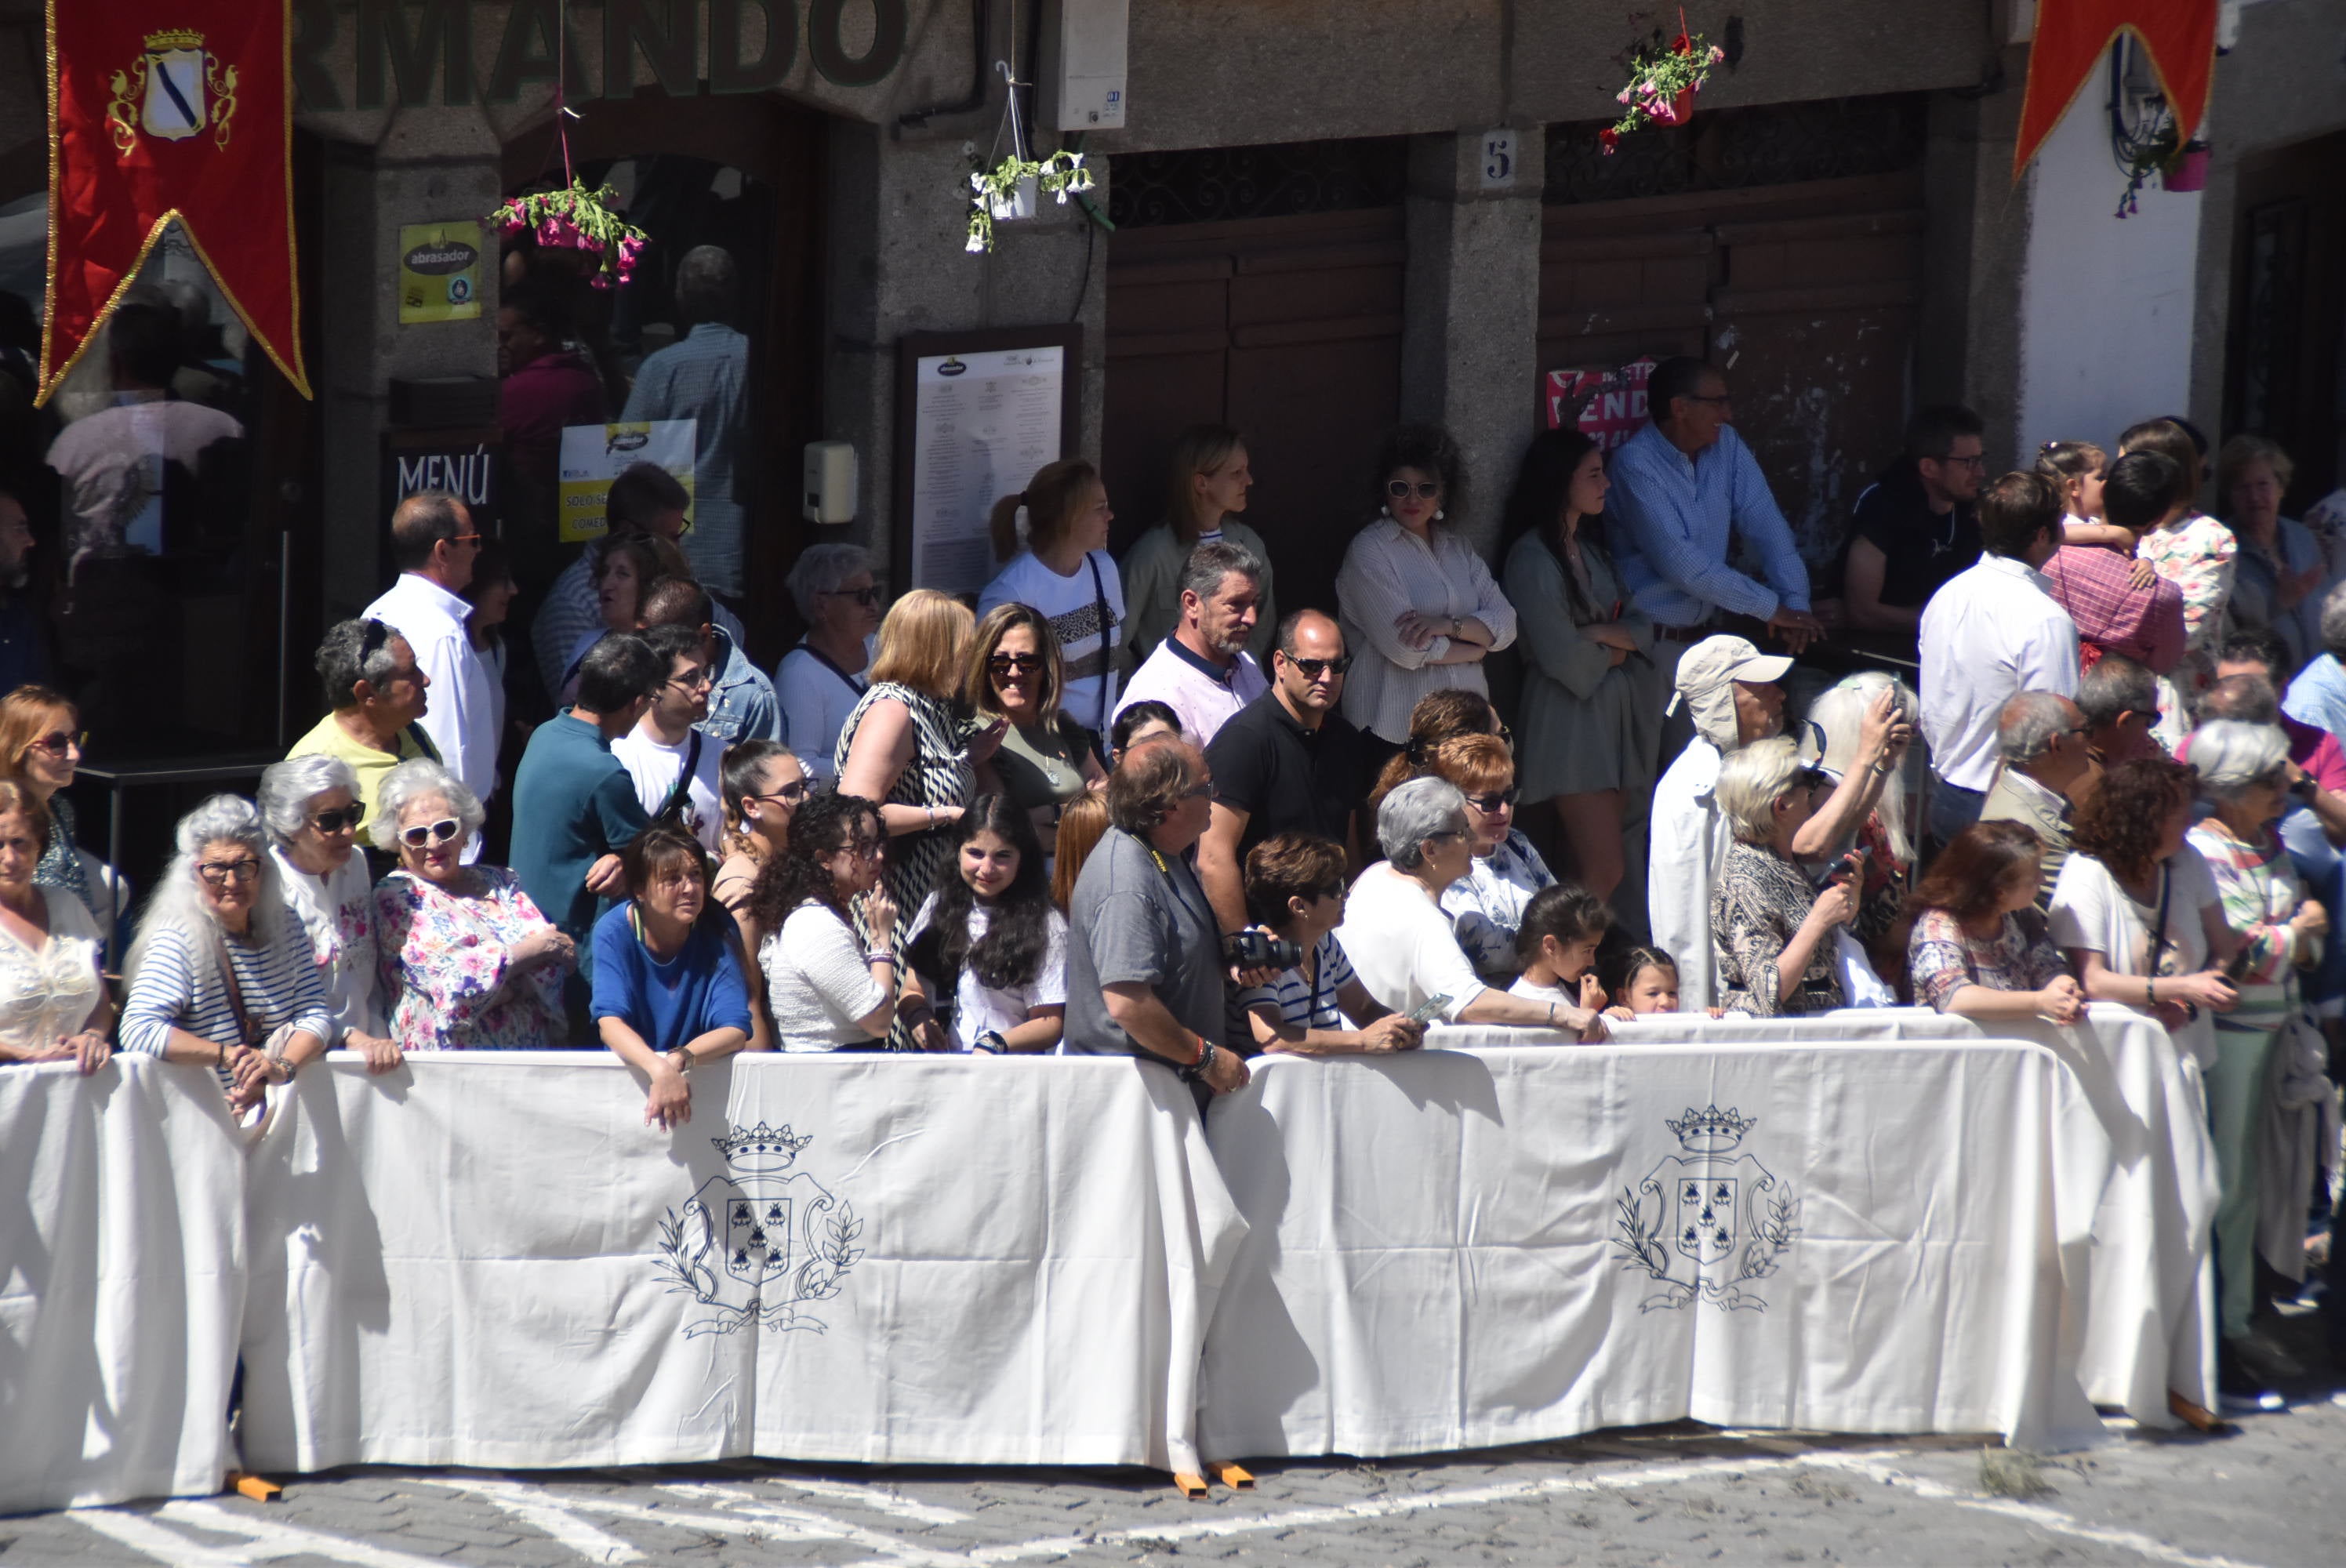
1729, 688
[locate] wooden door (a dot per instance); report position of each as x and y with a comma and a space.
1288, 329
1804, 294
2288, 312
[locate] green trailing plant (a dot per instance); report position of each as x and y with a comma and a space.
575, 218
1661, 70
995, 190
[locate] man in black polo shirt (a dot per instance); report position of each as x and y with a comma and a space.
1286, 762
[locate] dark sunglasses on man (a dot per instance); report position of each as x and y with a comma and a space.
1320, 668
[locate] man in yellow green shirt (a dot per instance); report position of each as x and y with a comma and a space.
378, 693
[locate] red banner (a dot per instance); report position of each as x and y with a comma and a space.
2177, 35
162, 109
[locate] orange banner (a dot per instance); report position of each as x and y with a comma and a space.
2178, 36
161, 110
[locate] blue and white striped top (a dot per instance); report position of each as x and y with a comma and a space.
179, 985
1300, 1005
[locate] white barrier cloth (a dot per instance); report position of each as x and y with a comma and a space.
1455, 1248
121, 1282
487, 1258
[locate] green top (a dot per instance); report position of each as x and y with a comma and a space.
1042, 764
1151, 571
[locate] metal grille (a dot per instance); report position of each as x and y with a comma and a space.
1204, 185
1736, 149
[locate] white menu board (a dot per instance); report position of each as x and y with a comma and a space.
983, 424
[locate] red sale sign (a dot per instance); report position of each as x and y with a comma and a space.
1609, 406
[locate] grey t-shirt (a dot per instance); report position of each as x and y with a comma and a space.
1129, 920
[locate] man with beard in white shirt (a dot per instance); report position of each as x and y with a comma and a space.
665, 748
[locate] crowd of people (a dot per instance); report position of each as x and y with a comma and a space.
1135, 808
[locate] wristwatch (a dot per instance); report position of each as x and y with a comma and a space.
682, 1057
991, 1043
280, 1063
1195, 1071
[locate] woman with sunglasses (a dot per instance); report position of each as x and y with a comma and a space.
1047, 758
1419, 607
220, 975
826, 988
53, 1002
40, 748
311, 806
467, 961
1592, 698
1486, 905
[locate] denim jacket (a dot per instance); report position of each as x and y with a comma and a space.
741, 705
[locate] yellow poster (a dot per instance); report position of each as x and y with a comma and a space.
595, 454
439, 272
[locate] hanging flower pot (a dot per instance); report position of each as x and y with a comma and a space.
576, 218
1665, 74
2189, 169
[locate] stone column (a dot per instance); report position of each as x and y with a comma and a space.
1471, 311
427, 167
899, 215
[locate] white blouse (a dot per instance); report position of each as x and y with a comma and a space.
338, 918
49, 993
1387, 571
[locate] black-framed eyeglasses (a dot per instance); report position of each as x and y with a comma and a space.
789, 794
867, 597
338, 819
1975, 459
1426, 489
1013, 664
424, 835
219, 873
866, 849
1498, 801
58, 743
1315, 668
1706, 397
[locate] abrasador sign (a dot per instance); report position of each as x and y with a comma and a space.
400, 51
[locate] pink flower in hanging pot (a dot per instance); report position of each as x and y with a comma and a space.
1622, 96
599, 281
1608, 138
1716, 54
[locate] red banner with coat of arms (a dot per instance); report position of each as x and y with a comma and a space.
162, 109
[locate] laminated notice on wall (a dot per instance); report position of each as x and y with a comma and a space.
595, 454
985, 423
439, 272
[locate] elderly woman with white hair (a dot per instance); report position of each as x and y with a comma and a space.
2244, 779
311, 806
220, 975
819, 681
467, 961
1401, 943
1772, 929
1856, 734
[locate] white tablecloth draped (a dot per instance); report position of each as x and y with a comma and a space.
487, 1259
121, 1282
1459, 1247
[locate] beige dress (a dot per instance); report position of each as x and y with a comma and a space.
48, 993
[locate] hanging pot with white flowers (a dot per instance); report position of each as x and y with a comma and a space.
1007, 190
1665, 74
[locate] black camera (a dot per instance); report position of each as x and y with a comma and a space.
1260, 950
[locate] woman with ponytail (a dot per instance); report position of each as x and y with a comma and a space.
1210, 484
1059, 566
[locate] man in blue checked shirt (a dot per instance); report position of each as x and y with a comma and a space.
1682, 487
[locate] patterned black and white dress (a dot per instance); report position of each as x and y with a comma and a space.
938, 775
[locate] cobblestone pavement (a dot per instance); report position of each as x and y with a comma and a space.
2268, 1495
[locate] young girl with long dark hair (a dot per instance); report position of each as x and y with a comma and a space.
987, 961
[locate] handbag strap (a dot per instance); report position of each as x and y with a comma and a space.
1106, 631
831, 664
235, 990
2165, 893
682, 793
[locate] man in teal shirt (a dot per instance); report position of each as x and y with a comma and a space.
573, 804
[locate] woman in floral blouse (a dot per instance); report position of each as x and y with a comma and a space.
2194, 551
1980, 948
468, 962
1773, 929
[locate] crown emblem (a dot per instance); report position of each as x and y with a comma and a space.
760, 1147
175, 39
1710, 1129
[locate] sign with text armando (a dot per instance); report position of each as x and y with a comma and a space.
394, 49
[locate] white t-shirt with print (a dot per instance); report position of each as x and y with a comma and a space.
978, 1007
655, 765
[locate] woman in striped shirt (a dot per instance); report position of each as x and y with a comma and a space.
220, 974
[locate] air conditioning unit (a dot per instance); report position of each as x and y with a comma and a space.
1081, 76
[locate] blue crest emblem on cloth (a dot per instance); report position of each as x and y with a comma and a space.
1708, 1222
759, 1243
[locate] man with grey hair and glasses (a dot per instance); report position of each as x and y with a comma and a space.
819, 682
2041, 743
376, 692
1203, 671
